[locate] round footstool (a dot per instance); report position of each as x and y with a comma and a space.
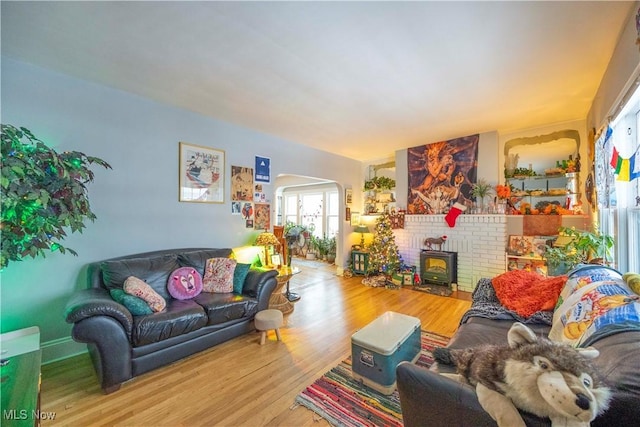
268, 319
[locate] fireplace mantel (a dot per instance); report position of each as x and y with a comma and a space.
479, 240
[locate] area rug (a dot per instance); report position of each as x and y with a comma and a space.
346, 402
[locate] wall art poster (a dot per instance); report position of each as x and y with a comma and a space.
348, 196
241, 183
262, 216
247, 211
441, 174
201, 174
521, 245
263, 169
355, 219
259, 195
236, 207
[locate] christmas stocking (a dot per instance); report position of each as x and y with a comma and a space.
455, 210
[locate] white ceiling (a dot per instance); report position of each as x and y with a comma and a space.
360, 79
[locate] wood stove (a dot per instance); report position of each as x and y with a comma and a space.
438, 270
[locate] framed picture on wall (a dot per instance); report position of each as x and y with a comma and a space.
201, 174
348, 196
355, 218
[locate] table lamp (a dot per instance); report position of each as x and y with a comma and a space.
266, 239
362, 229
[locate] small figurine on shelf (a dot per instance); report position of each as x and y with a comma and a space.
416, 279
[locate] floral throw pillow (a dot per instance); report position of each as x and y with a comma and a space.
137, 287
218, 275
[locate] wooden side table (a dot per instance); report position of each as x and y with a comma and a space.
360, 262
278, 299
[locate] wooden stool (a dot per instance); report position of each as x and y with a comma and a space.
268, 319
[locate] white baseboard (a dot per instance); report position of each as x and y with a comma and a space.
59, 349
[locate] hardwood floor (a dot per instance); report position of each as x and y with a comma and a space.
240, 383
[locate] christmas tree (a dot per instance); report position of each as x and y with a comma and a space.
383, 253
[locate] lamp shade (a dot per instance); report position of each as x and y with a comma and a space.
266, 239
362, 229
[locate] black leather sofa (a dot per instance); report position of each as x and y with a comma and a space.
430, 399
123, 346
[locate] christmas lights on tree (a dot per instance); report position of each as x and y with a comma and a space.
384, 256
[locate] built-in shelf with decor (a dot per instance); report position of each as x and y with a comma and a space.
541, 190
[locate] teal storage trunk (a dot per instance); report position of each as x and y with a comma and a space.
380, 346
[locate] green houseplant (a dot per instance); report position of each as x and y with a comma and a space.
379, 183
480, 190
44, 193
331, 249
582, 246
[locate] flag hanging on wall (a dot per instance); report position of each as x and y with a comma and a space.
626, 169
634, 167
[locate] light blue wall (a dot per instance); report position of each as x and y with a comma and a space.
137, 202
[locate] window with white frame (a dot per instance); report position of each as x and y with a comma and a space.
316, 208
618, 183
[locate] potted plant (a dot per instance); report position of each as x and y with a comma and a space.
480, 190
583, 246
331, 250
379, 183
44, 193
560, 260
313, 247
322, 246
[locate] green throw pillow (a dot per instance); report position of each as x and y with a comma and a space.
137, 306
239, 275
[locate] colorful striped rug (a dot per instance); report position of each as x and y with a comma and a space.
346, 402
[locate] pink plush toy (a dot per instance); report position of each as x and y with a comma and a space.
184, 283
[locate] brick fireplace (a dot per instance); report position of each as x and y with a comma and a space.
479, 241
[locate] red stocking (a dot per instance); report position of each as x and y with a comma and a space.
455, 210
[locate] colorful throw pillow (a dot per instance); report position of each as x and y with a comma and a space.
526, 293
184, 283
218, 275
239, 275
135, 305
136, 287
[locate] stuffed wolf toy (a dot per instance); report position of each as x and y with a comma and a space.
534, 374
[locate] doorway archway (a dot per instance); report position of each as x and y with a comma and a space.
285, 182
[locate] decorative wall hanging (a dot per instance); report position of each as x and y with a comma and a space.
348, 196
247, 214
263, 169
241, 183
441, 173
397, 219
201, 174
262, 216
355, 219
